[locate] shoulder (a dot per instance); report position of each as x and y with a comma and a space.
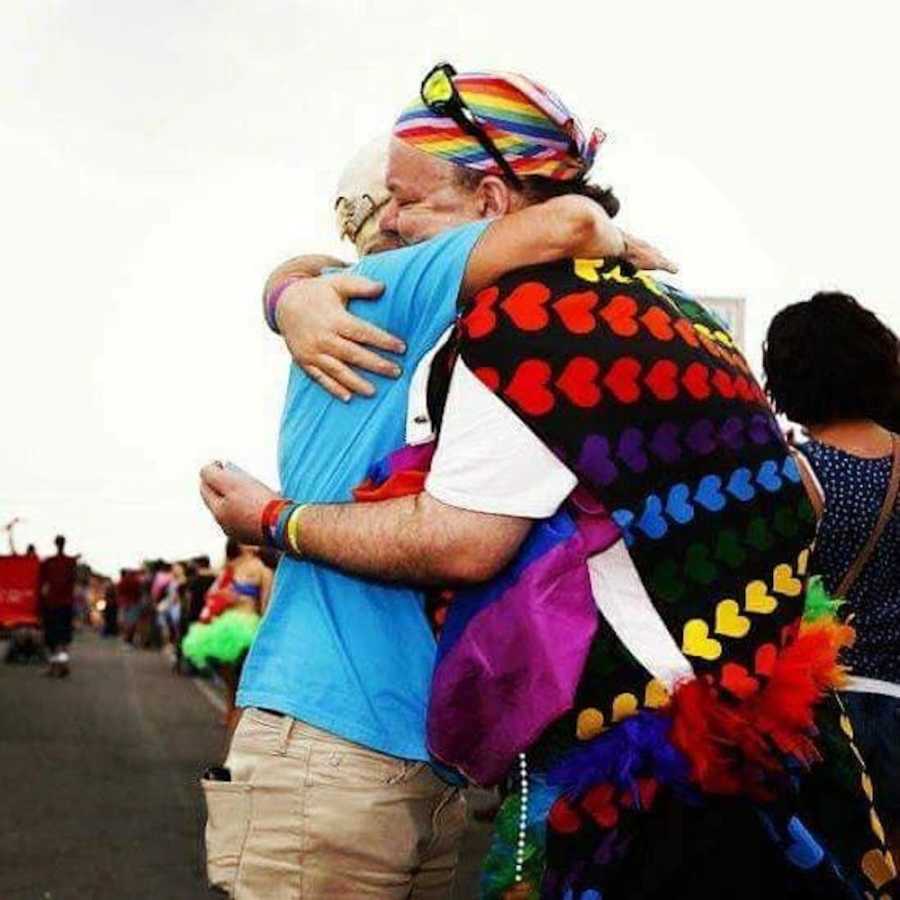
442, 247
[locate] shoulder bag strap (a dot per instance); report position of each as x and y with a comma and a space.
883, 518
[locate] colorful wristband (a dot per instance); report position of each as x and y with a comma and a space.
268, 524
272, 299
292, 532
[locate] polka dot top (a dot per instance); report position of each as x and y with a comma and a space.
855, 489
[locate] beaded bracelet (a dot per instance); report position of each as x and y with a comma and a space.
272, 299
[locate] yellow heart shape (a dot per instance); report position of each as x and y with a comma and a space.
590, 724
867, 786
878, 867
785, 583
624, 705
803, 563
655, 694
586, 269
729, 620
757, 598
697, 642
877, 827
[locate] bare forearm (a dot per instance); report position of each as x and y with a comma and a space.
299, 267
409, 540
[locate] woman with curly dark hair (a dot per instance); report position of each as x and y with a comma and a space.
832, 366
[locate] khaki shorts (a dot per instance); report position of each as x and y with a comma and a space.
309, 815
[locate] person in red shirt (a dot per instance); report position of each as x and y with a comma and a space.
57, 606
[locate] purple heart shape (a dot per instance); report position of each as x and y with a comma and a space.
732, 433
631, 450
665, 443
701, 437
761, 430
595, 461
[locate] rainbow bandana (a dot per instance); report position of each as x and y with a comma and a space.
533, 130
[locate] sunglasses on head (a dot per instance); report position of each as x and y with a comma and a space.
440, 95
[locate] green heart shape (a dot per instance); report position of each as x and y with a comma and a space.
758, 535
786, 523
699, 566
729, 550
666, 583
805, 510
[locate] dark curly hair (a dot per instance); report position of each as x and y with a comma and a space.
537, 189
829, 358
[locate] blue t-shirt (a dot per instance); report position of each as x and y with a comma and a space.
351, 656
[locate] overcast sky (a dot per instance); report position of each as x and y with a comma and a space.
158, 158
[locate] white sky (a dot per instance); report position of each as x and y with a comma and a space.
158, 158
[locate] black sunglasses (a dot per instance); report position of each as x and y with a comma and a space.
440, 95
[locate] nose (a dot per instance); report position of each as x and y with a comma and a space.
388, 222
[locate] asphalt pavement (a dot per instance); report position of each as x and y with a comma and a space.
99, 793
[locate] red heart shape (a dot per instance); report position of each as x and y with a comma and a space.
579, 382
525, 306
482, 319
619, 314
737, 681
528, 388
598, 803
744, 389
575, 310
696, 380
563, 818
662, 379
764, 663
489, 376
659, 323
724, 384
686, 332
622, 380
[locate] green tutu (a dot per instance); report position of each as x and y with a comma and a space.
224, 640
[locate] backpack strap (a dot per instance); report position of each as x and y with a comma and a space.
887, 510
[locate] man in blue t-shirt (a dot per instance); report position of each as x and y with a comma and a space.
336, 685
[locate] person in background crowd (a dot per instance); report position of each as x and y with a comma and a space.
832, 367
110, 609
57, 588
128, 593
231, 618
31, 550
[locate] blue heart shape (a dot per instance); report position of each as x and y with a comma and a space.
591, 894
768, 476
804, 852
790, 470
679, 506
624, 519
709, 495
740, 485
652, 522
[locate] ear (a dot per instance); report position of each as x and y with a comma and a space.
494, 197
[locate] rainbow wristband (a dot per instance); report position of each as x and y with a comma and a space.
271, 514
272, 299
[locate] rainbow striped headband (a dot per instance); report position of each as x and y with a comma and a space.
532, 128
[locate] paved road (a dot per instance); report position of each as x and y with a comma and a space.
98, 780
